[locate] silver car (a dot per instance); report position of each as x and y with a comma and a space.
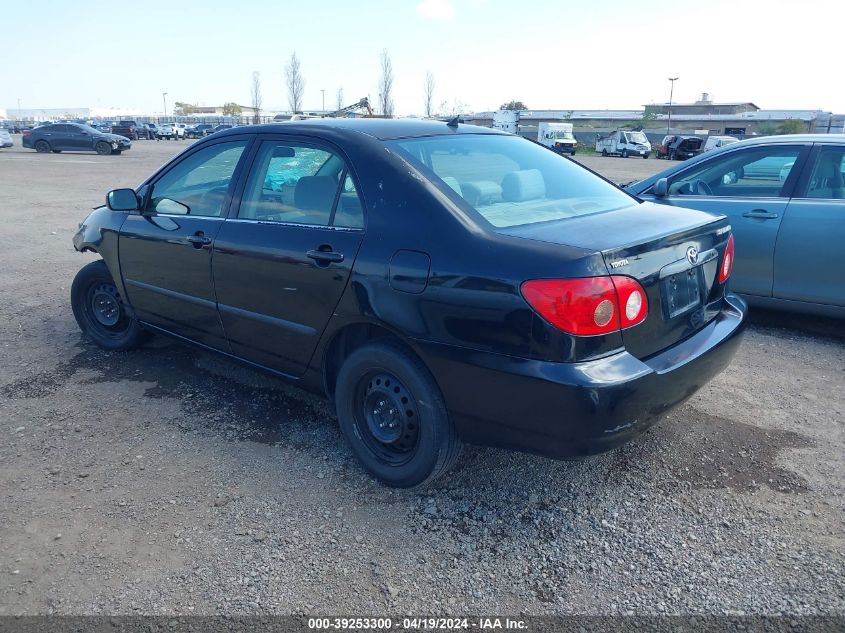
5, 138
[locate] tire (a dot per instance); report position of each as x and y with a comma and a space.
671, 155
103, 148
624, 153
42, 146
135, 136
572, 153
393, 416
99, 310
56, 151
645, 156
604, 152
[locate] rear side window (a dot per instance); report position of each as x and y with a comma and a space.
827, 179
296, 184
509, 180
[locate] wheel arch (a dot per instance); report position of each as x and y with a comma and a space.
350, 337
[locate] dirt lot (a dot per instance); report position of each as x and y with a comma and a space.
172, 481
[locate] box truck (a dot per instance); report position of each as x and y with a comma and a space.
558, 136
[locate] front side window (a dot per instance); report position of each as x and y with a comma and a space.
509, 180
198, 185
293, 183
828, 177
751, 173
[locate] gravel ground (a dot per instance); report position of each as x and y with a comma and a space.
172, 481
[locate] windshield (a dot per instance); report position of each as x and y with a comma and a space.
636, 137
509, 180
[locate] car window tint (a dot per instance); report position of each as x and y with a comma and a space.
198, 185
292, 183
751, 173
827, 179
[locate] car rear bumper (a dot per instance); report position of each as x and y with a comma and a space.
569, 410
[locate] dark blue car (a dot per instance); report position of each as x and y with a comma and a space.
785, 198
440, 283
74, 137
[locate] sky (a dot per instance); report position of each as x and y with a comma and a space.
550, 54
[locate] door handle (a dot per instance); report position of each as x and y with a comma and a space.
325, 256
199, 241
760, 214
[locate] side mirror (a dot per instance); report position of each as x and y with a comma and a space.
661, 188
122, 200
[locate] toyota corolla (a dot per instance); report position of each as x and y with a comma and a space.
441, 283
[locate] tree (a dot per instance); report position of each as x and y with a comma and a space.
231, 109
790, 126
182, 109
428, 93
385, 85
451, 110
295, 82
339, 98
256, 96
513, 105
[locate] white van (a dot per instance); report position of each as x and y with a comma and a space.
714, 142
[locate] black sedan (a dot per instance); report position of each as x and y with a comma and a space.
440, 283
74, 137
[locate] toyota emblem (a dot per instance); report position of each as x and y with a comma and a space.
692, 255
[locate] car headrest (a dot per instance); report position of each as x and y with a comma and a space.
481, 192
527, 184
453, 184
315, 193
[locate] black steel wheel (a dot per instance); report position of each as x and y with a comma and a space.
100, 311
393, 416
42, 146
103, 148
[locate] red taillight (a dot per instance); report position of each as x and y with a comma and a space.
727, 261
26, 133
589, 305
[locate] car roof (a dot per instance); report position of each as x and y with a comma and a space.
383, 129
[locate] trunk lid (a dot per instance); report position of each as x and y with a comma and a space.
651, 243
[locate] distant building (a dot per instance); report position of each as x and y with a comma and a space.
705, 106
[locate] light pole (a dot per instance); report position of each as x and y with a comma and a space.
324, 99
671, 92
164, 98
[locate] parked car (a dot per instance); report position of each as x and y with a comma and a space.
152, 128
198, 131
74, 137
5, 138
439, 283
220, 128
715, 142
172, 130
679, 147
132, 130
785, 198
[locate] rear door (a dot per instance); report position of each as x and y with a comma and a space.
283, 261
751, 186
165, 253
809, 245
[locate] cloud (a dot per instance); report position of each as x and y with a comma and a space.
436, 9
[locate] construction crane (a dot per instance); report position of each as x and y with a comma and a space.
363, 104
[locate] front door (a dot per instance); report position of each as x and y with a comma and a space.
282, 264
751, 186
809, 247
165, 252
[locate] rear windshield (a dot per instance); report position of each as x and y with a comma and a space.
511, 181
